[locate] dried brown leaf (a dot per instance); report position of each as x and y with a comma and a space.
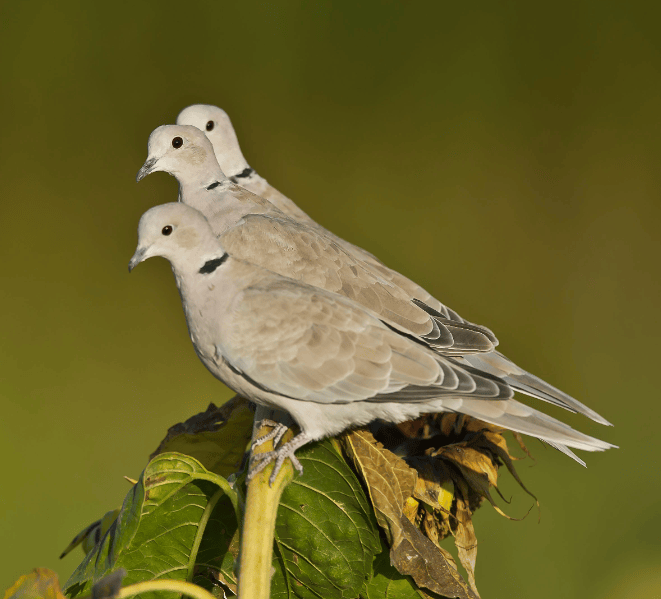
390, 483
429, 565
434, 486
522, 445
465, 539
476, 468
410, 509
414, 428
476, 462
496, 443
456, 458
454, 424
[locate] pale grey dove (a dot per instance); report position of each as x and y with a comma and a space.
253, 229
326, 360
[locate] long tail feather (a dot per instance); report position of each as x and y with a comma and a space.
496, 364
521, 418
566, 451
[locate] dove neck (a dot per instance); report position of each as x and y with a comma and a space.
203, 265
217, 274
197, 246
207, 178
232, 159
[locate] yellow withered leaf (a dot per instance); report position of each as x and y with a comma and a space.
391, 484
465, 539
41, 583
455, 459
433, 486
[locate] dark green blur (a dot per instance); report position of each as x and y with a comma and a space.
504, 155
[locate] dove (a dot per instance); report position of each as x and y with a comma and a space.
217, 125
253, 229
327, 361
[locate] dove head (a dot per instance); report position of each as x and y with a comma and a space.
184, 152
179, 233
218, 128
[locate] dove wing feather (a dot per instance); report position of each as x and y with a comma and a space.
302, 253
310, 345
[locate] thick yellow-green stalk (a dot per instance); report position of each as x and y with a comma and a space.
262, 501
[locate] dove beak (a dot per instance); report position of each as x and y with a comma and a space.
139, 256
147, 168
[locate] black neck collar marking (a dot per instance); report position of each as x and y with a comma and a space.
214, 185
246, 172
210, 265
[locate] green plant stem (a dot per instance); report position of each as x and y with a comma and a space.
177, 586
227, 489
200, 533
262, 501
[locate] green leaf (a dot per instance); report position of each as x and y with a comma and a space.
217, 437
159, 528
326, 532
220, 545
281, 581
387, 582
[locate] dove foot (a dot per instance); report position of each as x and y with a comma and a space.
276, 434
260, 461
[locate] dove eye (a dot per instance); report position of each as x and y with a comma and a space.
210, 125
167, 230
177, 142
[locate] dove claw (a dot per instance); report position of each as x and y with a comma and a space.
288, 450
276, 434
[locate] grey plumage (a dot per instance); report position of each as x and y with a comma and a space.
252, 229
323, 358
283, 239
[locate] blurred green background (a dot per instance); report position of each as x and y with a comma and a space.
504, 155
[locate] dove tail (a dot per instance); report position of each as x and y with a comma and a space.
567, 452
524, 382
518, 417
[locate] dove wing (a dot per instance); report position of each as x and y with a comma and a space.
310, 345
303, 253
